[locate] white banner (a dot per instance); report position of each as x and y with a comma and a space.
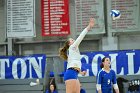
20, 18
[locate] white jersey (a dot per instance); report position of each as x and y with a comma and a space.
74, 57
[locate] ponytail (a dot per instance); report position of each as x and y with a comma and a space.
63, 51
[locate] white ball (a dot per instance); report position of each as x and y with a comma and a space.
115, 14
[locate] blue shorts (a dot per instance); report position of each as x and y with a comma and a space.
70, 74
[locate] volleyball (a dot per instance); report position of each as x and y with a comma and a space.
115, 14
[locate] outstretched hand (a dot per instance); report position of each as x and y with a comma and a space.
83, 73
91, 23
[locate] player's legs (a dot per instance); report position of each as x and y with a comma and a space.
78, 86
71, 86
71, 81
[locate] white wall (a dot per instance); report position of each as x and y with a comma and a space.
129, 42
2, 22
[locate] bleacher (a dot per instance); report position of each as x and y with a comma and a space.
89, 83
20, 86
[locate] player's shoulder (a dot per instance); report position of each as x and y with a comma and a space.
111, 70
72, 47
101, 71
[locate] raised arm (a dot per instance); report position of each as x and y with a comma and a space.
84, 32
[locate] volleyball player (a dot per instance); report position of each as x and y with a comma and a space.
106, 77
70, 52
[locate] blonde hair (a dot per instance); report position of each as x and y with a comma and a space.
63, 50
